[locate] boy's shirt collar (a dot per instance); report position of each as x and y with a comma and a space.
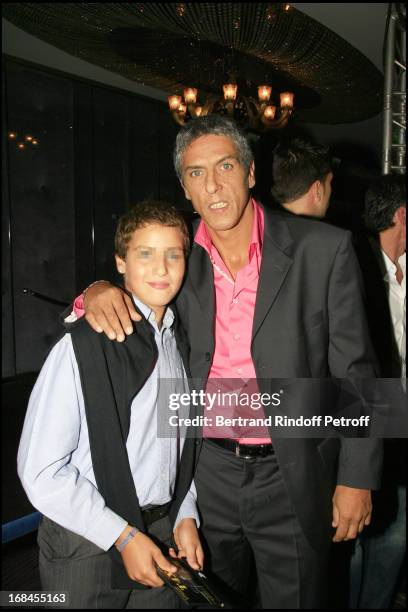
150, 316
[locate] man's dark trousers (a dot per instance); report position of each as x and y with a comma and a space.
247, 514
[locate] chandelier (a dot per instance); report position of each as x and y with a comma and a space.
260, 115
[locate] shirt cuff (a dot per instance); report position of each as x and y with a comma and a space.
106, 529
188, 509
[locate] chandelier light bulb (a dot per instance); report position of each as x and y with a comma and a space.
264, 93
190, 95
174, 102
269, 112
230, 91
286, 100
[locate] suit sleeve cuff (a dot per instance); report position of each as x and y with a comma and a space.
360, 463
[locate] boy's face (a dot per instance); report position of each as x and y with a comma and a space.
154, 265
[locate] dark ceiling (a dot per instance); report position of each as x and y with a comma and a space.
170, 45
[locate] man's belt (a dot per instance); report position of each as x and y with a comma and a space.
151, 514
244, 451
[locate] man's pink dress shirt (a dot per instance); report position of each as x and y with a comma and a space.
235, 307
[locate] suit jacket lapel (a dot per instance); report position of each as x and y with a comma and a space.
201, 279
277, 245
276, 261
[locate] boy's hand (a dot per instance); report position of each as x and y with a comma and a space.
139, 557
188, 543
110, 310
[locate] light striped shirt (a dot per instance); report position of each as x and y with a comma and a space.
54, 458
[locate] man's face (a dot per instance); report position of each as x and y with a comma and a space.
215, 181
154, 265
400, 219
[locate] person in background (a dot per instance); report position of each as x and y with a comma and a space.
302, 177
90, 458
301, 184
379, 552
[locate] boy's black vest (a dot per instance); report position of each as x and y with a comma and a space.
112, 374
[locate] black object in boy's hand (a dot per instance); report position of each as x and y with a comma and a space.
190, 585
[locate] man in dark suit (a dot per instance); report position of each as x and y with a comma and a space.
381, 255
379, 552
267, 296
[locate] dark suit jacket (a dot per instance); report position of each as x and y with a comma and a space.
309, 322
377, 306
382, 334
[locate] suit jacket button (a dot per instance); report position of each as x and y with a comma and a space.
207, 356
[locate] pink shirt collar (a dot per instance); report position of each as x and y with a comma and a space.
203, 238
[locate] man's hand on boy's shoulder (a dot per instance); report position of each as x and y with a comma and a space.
110, 310
139, 558
188, 543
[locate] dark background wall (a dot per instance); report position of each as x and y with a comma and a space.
99, 151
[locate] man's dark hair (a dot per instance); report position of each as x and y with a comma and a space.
211, 124
146, 213
383, 197
297, 164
